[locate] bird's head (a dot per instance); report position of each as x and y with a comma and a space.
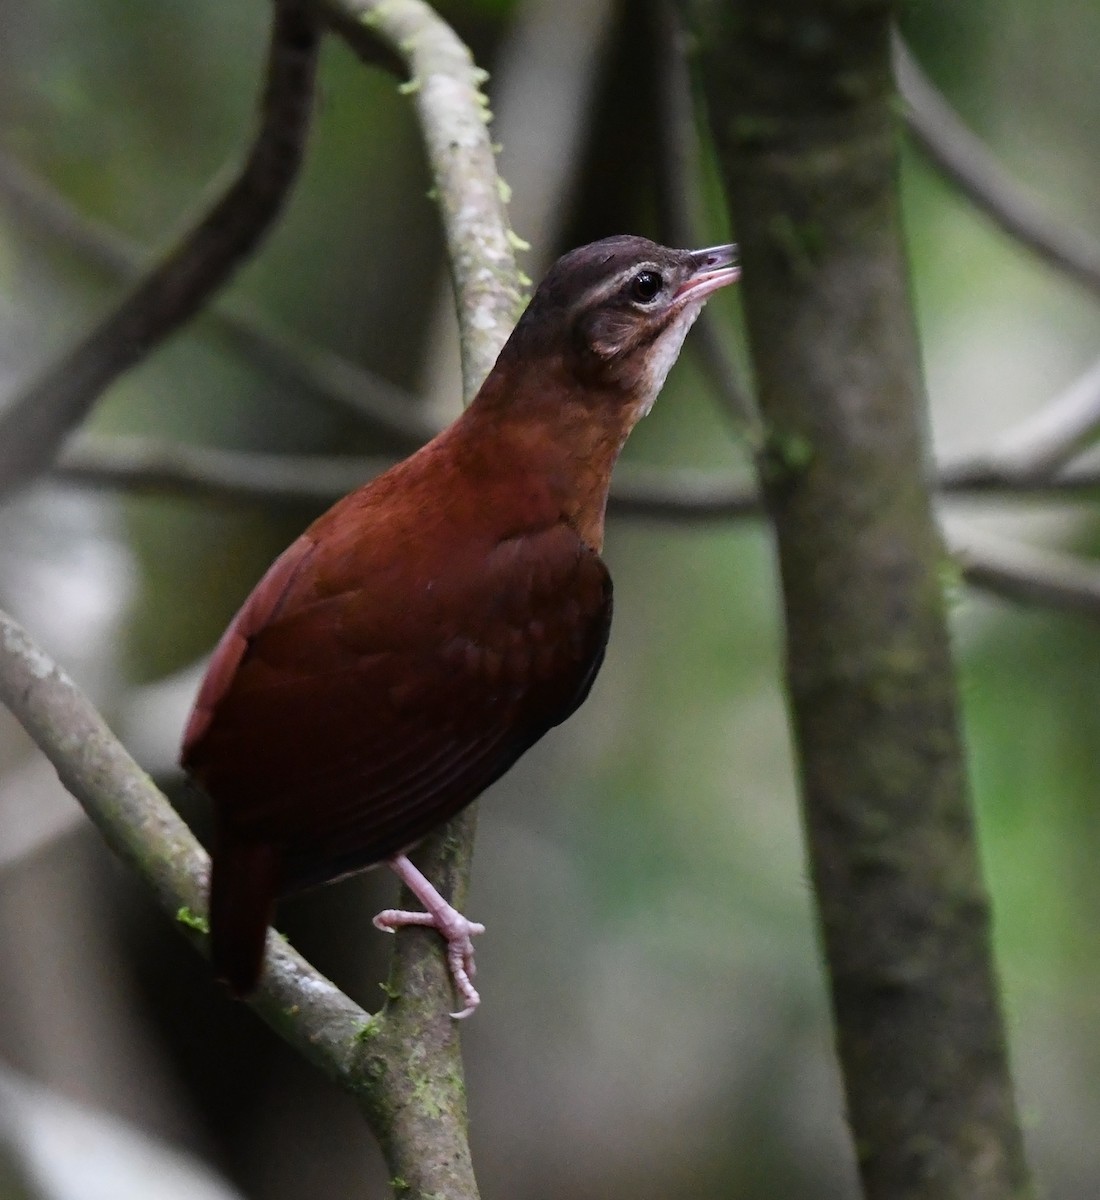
615, 313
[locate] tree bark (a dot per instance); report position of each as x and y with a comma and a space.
802, 106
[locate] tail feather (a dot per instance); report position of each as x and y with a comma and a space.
243, 886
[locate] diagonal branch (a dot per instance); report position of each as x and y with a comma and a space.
33, 425
35, 203
967, 162
1041, 444
367, 1056
142, 828
293, 360
1028, 575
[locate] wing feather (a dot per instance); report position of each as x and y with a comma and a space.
261, 607
342, 725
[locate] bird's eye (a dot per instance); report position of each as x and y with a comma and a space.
646, 286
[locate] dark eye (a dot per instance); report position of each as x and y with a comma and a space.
646, 286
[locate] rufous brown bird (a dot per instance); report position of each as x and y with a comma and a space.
429, 628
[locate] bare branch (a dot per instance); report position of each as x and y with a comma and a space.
1051, 437
681, 197
38, 205
1028, 575
967, 162
445, 85
34, 424
155, 467
293, 360
139, 824
980, 479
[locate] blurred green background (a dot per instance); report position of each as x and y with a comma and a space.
655, 1017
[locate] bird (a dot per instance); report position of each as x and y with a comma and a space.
429, 628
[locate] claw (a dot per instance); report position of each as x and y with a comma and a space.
452, 925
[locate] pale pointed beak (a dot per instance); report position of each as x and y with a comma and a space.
714, 268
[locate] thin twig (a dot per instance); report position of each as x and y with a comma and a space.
34, 424
151, 466
967, 162
36, 204
681, 199
1027, 575
295, 361
1041, 444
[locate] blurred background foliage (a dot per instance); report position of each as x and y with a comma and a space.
655, 1018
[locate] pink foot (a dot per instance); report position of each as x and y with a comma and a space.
452, 926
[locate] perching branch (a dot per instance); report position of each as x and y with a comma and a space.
356, 1050
404, 1065
967, 162
143, 829
33, 425
807, 148
425, 1097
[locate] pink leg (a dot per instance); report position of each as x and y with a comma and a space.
452, 925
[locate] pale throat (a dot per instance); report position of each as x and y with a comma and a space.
662, 354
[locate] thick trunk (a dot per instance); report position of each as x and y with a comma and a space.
802, 109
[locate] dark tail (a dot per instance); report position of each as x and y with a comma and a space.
243, 886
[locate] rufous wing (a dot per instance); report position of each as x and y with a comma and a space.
340, 725
261, 607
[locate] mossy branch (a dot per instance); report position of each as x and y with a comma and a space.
406, 1089
445, 87
410, 1090
403, 1065
142, 828
417, 1055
